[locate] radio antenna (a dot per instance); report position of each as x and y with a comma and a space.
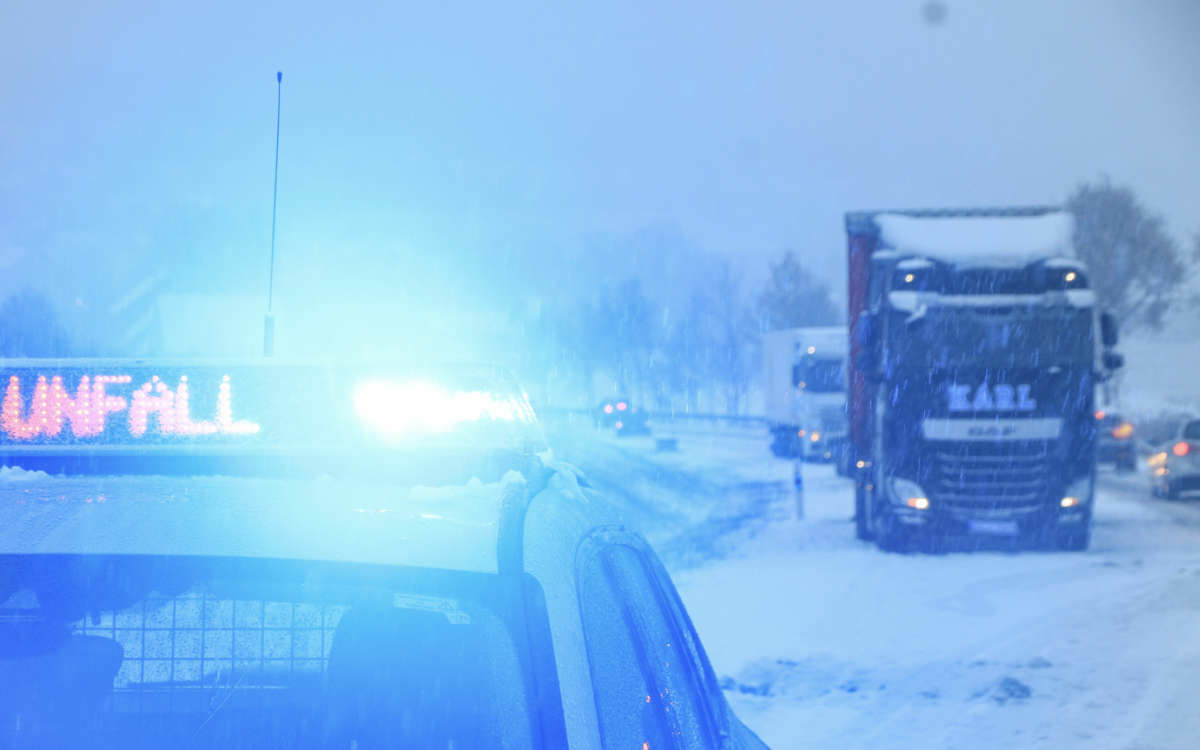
269, 320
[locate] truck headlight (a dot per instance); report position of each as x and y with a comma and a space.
908, 492
1078, 493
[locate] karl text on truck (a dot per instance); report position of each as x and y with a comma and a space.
264, 554
975, 352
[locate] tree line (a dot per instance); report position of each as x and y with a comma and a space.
698, 354
704, 355
700, 349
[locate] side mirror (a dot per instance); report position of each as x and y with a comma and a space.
1113, 360
866, 339
1108, 330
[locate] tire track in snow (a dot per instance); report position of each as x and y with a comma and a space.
690, 516
752, 506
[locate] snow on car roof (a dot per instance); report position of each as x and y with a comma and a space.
327, 519
1009, 241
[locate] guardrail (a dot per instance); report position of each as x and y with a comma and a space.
661, 417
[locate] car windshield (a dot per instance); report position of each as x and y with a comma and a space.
235, 653
1192, 431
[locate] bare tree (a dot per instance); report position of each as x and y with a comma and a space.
717, 340
794, 297
1195, 274
1135, 266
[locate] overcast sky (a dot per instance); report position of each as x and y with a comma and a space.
422, 141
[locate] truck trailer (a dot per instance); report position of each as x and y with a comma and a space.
976, 349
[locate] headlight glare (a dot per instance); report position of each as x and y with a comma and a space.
908, 492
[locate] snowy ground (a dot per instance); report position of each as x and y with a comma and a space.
835, 644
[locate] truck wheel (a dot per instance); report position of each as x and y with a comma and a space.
893, 536
862, 526
1075, 538
1067, 538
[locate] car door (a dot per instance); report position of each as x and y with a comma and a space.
652, 683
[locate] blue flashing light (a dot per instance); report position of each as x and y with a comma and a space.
398, 408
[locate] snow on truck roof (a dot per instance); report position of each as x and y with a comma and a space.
1005, 241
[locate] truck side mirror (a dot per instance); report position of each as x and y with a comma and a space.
1113, 360
866, 339
1108, 330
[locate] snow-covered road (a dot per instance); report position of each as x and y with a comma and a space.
823, 641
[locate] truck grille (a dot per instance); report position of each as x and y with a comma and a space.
994, 480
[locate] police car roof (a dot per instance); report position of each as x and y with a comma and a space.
366, 463
356, 521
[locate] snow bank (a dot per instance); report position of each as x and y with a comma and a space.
991, 241
822, 641
819, 640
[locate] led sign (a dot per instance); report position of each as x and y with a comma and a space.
135, 416
104, 407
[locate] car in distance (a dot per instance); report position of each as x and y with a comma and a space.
1175, 468
621, 415
266, 555
1115, 442
609, 411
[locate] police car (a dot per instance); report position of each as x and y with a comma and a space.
233, 555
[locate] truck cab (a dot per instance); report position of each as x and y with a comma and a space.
804, 379
819, 401
977, 348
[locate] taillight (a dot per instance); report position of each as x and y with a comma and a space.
1123, 431
1181, 448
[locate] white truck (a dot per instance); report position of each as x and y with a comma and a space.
805, 392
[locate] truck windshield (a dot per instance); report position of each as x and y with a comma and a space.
116, 652
821, 375
1013, 337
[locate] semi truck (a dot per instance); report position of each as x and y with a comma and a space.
805, 381
975, 352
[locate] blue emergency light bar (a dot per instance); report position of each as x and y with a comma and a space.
145, 411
